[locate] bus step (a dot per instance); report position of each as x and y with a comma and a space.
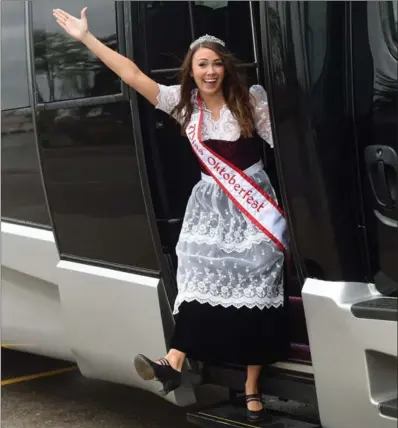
389, 408
379, 308
228, 415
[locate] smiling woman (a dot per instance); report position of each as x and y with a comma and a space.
214, 71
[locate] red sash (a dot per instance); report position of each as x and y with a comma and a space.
246, 195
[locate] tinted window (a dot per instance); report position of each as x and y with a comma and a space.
389, 21
316, 38
22, 194
168, 33
65, 68
94, 188
22, 190
14, 76
228, 20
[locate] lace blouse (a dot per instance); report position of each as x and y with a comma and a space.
226, 127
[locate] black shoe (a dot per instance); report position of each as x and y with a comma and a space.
162, 371
254, 415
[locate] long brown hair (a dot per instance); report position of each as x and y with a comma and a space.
235, 90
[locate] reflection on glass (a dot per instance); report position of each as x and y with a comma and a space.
277, 13
389, 23
93, 184
316, 38
168, 33
14, 75
228, 20
22, 193
65, 68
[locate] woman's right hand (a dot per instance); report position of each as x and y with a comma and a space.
77, 28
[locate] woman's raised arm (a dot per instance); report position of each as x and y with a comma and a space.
119, 64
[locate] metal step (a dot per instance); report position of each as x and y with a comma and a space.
389, 408
228, 415
379, 308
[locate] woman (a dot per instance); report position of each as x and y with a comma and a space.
230, 268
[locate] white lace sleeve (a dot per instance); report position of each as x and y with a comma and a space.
262, 119
168, 97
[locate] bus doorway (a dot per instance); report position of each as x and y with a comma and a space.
171, 166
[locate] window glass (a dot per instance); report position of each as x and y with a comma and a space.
65, 68
22, 193
14, 75
316, 38
168, 33
94, 189
228, 20
389, 20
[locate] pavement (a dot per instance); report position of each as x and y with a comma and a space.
40, 392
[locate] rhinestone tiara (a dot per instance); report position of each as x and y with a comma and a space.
206, 38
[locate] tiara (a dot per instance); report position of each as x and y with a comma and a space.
206, 38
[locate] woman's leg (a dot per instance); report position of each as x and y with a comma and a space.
252, 386
176, 359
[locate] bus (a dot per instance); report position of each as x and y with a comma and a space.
95, 183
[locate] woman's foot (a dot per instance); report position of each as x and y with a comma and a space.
161, 371
166, 370
254, 407
255, 410
254, 402
175, 358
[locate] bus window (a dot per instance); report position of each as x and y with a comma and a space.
22, 190
65, 69
389, 22
14, 74
87, 149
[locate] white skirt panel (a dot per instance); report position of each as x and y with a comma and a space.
223, 258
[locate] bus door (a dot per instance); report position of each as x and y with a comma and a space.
358, 317
171, 165
375, 107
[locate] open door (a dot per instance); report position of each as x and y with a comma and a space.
358, 318
375, 104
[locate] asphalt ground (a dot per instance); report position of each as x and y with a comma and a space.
38, 392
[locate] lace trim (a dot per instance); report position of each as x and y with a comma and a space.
231, 282
228, 247
226, 303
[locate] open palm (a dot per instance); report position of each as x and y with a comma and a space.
75, 27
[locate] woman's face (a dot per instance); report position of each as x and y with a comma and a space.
207, 71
